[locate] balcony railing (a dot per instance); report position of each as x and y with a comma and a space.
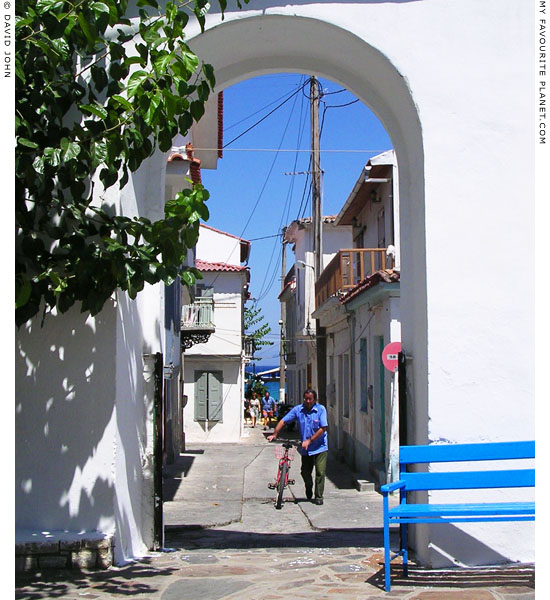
199, 315
347, 269
197, 322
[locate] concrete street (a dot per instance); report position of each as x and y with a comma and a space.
224, 539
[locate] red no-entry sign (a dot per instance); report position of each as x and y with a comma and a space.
390, 355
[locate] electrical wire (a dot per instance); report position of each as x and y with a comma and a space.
264, 117
258, 111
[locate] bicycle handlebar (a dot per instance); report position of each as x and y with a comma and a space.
289, 442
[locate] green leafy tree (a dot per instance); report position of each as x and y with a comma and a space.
255, 384
100, 85
255, 330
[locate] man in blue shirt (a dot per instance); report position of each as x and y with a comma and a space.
268, 409
313, 424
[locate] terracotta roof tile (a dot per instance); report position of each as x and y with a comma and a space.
203, 265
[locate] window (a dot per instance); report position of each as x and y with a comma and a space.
209, 396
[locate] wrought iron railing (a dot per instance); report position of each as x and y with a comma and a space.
347, 269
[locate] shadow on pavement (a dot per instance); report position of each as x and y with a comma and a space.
218, 539
459, 578
132, 580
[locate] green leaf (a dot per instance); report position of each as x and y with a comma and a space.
190, 61
197, 109
99, 77
23, 290
135, 81
69, 149
87, 30
27, 143
161, 62
95, 109
123, 102
43, 6
154, 103
208, 70
102, 125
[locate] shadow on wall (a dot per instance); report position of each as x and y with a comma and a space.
467, 550
64, 419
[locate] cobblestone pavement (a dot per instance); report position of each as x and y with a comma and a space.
247, 550
255, 567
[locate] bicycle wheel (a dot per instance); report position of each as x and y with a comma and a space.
281, 486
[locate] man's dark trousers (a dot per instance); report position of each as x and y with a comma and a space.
319, 461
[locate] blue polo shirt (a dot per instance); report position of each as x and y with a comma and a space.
309, 422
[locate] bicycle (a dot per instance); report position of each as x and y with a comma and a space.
285, 453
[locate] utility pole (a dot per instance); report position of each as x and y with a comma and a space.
316, 176
282, 363
317, 217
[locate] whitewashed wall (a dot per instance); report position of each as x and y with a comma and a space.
215, 246
83, 400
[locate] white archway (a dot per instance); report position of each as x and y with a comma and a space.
243, 48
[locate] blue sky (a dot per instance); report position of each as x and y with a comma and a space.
252, 194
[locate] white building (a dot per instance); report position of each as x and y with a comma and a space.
299, 296
214, 368
357, 300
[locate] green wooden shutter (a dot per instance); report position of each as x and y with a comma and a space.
201, 395
215, 396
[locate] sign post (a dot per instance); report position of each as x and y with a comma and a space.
390, 356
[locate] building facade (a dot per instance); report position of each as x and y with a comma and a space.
358, 305
214, 368
298, 294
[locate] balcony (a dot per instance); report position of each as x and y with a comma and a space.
347, 269
197, 322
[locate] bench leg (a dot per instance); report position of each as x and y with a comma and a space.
387, 582
404, 549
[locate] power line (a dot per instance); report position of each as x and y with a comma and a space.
259, 111
327, 150
264, 117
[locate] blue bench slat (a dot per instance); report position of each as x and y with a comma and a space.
449, 510
462, 480
466, 452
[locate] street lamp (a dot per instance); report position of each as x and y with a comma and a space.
302, 265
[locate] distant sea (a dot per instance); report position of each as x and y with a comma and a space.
272, 386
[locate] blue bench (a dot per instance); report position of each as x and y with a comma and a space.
406, 513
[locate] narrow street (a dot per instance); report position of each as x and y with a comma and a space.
226, 540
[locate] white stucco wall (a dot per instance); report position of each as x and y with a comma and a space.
215, 246
83, 399
438, 75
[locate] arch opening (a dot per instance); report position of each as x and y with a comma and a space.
243, 48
